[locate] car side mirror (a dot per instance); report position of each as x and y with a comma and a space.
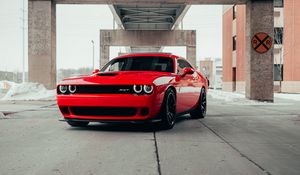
96, 71
187, 70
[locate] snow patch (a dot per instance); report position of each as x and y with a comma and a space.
240, 99
27, 91
287, 96
231, 97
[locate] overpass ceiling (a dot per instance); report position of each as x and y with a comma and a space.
149, 16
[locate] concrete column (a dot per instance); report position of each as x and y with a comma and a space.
104, 55
259, 67
42, 42
191, 54
105, 39
191, 48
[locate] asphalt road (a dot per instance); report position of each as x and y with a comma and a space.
233, 139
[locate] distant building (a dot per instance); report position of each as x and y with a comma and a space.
12, 76
212, 70
286, 46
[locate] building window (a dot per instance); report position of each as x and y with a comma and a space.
278, 35
234, 12
234, 43
278, 3
278, 72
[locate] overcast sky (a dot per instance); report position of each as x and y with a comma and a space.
77, 25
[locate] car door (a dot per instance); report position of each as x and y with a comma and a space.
187, 89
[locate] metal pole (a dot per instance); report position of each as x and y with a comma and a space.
23, 75
93, 54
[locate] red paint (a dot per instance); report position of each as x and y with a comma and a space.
187, 89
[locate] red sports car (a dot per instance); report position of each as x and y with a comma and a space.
152, 87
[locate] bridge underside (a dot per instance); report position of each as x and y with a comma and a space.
148, 17
154, 15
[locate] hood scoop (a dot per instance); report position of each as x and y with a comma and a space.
107, 74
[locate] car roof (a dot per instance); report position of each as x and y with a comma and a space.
159, 54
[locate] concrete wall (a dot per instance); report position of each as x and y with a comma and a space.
221, 2
150, 38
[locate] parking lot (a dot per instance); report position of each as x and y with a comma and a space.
232, 139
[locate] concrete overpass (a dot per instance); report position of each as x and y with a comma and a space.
133, 18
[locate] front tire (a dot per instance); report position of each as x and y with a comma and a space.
168, 111
200, 110
77, 123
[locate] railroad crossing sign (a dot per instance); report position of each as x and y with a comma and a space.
261, 42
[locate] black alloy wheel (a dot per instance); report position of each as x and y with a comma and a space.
200, 110
168, 112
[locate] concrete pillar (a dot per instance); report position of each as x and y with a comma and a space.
42, 42
259, 67
191, 54
147, 38
104, 55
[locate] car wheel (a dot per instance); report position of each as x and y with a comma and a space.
77, 123
200, 110
168, 111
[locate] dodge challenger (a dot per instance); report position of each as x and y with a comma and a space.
145, 87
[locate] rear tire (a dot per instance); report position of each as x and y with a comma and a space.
200, 110
77, 123
168, 110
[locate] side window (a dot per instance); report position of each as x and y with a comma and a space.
181, 64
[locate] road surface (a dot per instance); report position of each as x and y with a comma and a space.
233, 139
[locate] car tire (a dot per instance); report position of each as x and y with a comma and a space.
168, 110
200, 110
77, 123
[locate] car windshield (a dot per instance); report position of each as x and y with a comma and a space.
161, 64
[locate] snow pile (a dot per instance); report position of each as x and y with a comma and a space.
287, 96
28, 91
238, 98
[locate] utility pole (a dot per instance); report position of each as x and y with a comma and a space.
23, 28
93, 44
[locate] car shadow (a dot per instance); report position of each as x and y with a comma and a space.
127, 127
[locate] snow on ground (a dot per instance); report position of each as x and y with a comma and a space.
26, 91
231, 97
240, 99
287, 96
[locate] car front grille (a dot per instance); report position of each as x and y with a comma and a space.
104, 89
104, 111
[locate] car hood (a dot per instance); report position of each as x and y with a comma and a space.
120, 78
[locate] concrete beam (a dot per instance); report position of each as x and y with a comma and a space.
42, 43
180, 17
259, 67
188, 2
148, 38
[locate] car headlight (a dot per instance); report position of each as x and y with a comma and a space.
72, 88
63, 89
148, 89
137, 88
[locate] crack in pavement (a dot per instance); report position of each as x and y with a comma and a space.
27, 110
234, 148
156, 153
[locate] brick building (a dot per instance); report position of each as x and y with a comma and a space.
286, 46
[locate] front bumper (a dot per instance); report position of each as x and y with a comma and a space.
109, 107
